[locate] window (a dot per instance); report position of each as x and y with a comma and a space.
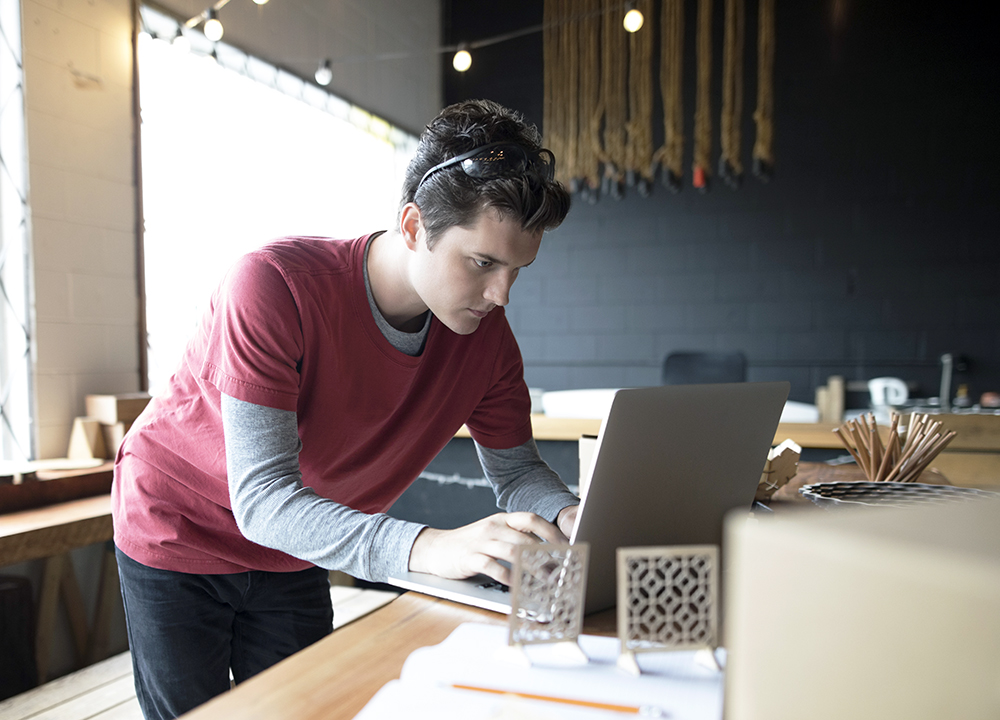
236, 152
15, 339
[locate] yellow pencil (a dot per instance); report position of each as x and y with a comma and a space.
549, 698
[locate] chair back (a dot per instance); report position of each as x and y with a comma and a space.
695, 368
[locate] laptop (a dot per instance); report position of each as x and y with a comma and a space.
669, 464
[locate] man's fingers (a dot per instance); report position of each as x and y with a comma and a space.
497, 571
566, 520
532, 524
481, 546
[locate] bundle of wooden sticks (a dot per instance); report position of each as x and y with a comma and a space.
906, 453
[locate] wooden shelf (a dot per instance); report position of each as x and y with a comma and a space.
50, 486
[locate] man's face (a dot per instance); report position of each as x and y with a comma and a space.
470, 271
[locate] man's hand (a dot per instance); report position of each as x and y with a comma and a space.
566, 519
478, 548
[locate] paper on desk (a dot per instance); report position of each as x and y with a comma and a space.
474, 654
402, 699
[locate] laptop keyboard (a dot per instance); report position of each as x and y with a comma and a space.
494, 585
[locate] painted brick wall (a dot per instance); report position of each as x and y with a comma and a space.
872, 252
78, 77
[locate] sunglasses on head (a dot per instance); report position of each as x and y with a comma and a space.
500, 159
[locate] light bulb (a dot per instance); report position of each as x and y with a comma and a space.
462, 60
213, 28
261, 2
181, 42
324, 73
633, 20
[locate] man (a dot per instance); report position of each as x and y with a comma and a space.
323, 378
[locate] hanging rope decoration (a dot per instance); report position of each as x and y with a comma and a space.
639, 151
569, 52
730, 141
703, 103
599, 95
586, 179
553, 104
763, 149
614, 99
670, 155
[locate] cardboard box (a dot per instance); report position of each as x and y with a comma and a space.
113, 436
86, 440
864, 613
120, 408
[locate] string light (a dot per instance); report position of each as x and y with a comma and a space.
633, 19
462, 60
324, 73
181, 42
213, 28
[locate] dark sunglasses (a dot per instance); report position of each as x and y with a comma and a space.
500, 159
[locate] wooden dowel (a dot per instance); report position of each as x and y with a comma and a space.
898, 466
861, 447
928, 457
925, 430
896, 442
924, 456
884, 465
918, 453
912, 430
897, 451
943, 443
847, 444
876, 445
863, 422
854, 428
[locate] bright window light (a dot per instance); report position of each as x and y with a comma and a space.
229, 163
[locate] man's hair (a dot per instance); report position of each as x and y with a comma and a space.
451, 198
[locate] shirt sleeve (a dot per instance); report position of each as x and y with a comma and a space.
255, 341
274, 509
523, 481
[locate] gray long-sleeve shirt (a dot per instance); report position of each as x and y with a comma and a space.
274, 509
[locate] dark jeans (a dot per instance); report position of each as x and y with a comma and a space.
186, 632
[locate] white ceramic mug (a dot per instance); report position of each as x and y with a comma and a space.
887, 391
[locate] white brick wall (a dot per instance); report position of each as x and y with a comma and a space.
78, 77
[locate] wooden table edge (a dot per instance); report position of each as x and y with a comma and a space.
337, 676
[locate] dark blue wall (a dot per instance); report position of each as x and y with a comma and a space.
872, 251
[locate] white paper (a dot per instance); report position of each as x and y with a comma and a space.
674, 684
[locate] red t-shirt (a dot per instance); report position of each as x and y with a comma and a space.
290, 327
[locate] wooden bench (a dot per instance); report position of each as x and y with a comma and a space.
103, 691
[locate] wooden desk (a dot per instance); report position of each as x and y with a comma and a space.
337, 676
544, 427
971, 460
814, 435
49, 533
